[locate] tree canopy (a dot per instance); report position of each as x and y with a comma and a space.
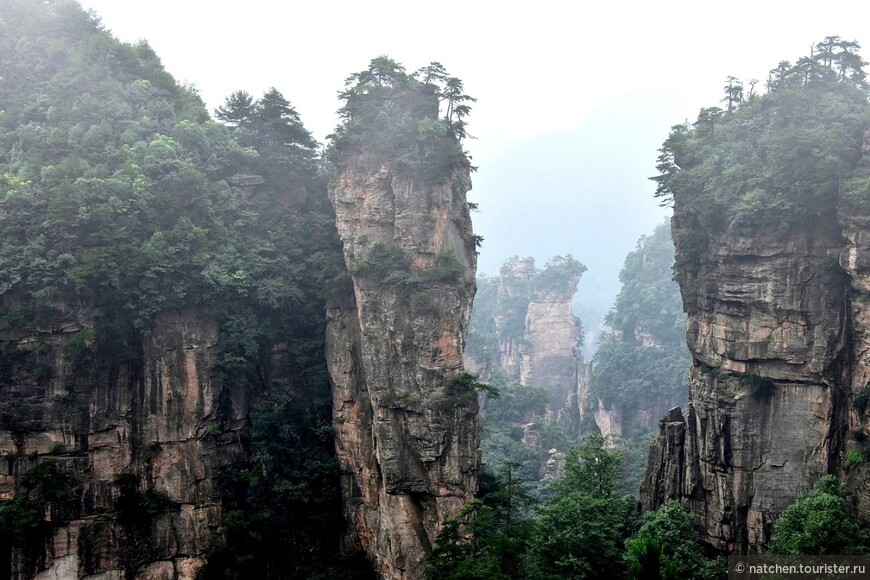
120, 197
776, 160
415, 120
819, 524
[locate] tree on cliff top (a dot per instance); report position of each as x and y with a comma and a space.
416, 121
779, 160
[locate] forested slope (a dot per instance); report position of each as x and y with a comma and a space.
163, 281
639, 369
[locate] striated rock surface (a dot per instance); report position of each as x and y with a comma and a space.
769, 325
406, 430
854, 426
537, 332
123, 450
550, 357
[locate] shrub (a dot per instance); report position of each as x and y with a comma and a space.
446, 268
387, 264
818, 524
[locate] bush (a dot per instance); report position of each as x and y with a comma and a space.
854, 458
387, 264
446, 268
463, 388
672, 530
819, 524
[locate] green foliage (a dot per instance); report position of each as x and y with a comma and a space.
518, 412
126, 207
446, 268
398, 116
386, 264
631, 375
643, 362
580, 532
578, 536
819, 524
281, 509
854, 458
592, 468
561, 275
464, 386
778, 161
20, 520
116, 197
44, 489
672, 530
856, 191
647, 561
78, 350
489, 539
482, 343
516, 403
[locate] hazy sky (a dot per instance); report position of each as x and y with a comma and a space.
573, 97
534, 67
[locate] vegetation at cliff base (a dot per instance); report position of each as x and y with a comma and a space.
584, 529
820, 523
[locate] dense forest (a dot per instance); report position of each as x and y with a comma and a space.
120, 201
123, 200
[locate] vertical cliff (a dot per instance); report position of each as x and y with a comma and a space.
550, 354
405, 413
766, 389
528, 328
772, 278
406, 434
123, 455
162, 380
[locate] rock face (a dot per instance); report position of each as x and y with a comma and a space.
406, 429
550, 357
134, 442
771, 317
538, 334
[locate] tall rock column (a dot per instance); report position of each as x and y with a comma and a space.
854, 424
406, 424
550, 357
767, 325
